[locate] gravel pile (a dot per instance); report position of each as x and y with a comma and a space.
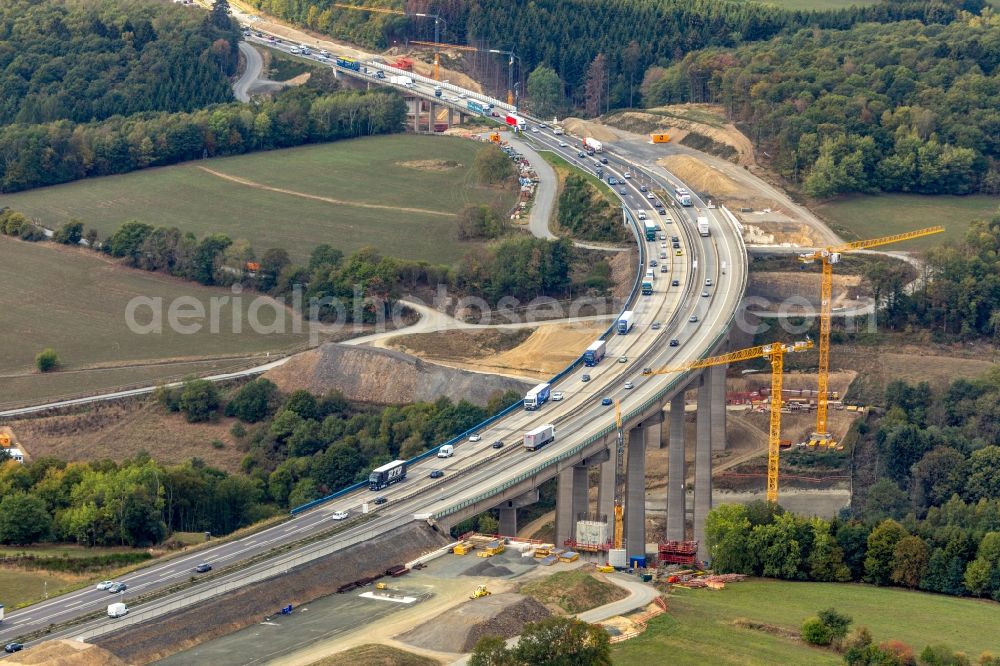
64, 653
461, 628
488, 569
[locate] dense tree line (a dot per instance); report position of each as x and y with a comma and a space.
954, 550
58, 152
586, 213
90, 61
901, 107
299, 448
960, 298
567, 35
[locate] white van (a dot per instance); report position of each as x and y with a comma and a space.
117, 610
446, 451
723, 268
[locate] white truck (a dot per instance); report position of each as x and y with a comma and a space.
703, 229
539, 437
625, 322
401, 81
537, 396
641, 214
590, 143
446, 451
117, 610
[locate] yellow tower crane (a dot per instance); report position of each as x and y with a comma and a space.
619, 480
775, 353
830, 256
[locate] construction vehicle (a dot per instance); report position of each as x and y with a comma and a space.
381, 586
775, 353
495, 137
828, 257
659, 138
480, 592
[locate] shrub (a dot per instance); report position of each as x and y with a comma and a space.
815, 632
47, 360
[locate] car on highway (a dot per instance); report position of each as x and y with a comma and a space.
203, 567
585, 378
679, 253
647, 371
11, 648
704, 294
642, 188
623, 359
659, 204
627, 174
675, 283
581, 154
676, 245
563, 144
708, 282
622, 191
664, 268
542, 125
693, 318
339, 515
105, 584
475, 437
461, 95
604, 160
656, 326
324, 53
663, 244
674, 239
295, 50
663, 211
117, 587
557, 396
650, 196
380, 500
605, 401
534, 130
436, 474
674, 342
663, 254
498, 444
653, 263
629, 385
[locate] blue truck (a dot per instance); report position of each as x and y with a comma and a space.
594, 353
387, 474
479, 107
537, 396
348, 63
625, 322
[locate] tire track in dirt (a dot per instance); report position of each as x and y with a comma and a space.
316, 197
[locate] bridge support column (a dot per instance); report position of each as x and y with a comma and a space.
564, 506
675, 471
703, 464
581, 488
635, 495
719, 406
508, 521
430, 117
606, 490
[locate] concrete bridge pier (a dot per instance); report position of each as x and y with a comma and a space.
703, 463
606, 489
635, 483
572, 495
508, 511
676, 473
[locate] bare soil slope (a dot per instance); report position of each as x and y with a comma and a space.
386, 377
501, 615
64, 652
681, 119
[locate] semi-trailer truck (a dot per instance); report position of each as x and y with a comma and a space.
537, 396
703, 229
478, 107
387, 474
625, 322
593, 354
647, 286
515, 121
539, 437
651, 229
401, 81
590, 143
683, 196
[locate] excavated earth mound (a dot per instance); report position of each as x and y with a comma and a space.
501, 615
64, 653
385, 377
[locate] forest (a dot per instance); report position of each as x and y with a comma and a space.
61, 151
901, 107
298, 448
86, 62
931, 521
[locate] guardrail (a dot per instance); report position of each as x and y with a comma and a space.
677, 382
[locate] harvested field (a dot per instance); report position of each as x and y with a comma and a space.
64, 652
121, 429
386, 377
376, 655
574, 591
150, 641
501, 615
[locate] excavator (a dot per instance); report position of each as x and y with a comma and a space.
480, 592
